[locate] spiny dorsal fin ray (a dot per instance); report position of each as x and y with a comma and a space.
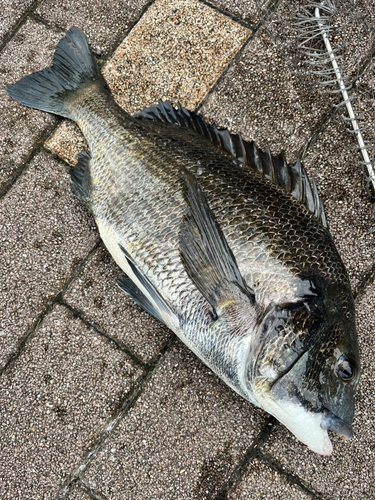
205, 253
293, 180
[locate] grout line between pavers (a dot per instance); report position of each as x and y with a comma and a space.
131, 26
229, 15
251, 453
21, 344
235, 58
125, 350
254, 452
22, 20
367, 277
93, 494
38, 146
44, 22
127, 404
290, 477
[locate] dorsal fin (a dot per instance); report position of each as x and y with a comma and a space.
293, 180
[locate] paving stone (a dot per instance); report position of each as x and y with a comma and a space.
260, 481
11, 13
45, 232
176, 51
250, 11
181, 439
96, 295
349, 472
104, 23
30, 50
335, 164
54, 402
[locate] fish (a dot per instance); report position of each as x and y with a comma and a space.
224, 243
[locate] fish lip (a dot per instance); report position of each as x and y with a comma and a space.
332, 422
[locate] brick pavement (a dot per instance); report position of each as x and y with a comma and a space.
98, 400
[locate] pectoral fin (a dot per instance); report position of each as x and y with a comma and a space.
205, 253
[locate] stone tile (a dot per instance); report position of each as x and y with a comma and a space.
30, 50
176, 51
54, 402
104, 23
11, 12
263, 482
45, 232
349, 472
181, 439
97, 296
249, 11
335, 164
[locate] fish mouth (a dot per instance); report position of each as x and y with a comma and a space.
331, 422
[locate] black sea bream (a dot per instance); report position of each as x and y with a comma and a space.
225, 244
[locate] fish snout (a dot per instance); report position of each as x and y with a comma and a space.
331, 422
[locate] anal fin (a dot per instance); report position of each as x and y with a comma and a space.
157, 306
127, 286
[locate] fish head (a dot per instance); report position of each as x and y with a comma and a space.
307, 368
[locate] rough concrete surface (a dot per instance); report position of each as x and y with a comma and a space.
99, 400
248, 11
11, 13
104, 23
21, 127
55, 401
95, 291
78, 493
181, 439
261, 481
45, 232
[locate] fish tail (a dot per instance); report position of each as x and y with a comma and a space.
49, 90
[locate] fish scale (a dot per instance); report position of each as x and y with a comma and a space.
225, 244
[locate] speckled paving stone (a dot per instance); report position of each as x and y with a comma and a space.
335, 165
176, 51
260, 482
11, 13
349, 472
104, 23
44, 234
30, 50
54, 402
181, 440
96, 295
249, 11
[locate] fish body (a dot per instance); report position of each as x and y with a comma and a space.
225, 244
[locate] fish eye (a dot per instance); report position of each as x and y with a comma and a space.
345, 369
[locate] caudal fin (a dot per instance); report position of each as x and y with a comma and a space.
73, 65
